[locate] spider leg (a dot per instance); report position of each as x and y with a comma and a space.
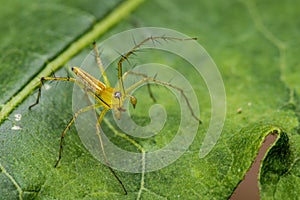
100, 65
42, 80
137, 46
148, 86
103, 112
148, 79
63, 134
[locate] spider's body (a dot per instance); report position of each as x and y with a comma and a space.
110, 98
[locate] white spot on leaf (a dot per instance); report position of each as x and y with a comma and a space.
18, 117
16, 128
47, 86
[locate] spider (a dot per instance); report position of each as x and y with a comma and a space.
110, 98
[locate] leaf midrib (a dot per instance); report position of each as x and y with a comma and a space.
75, 47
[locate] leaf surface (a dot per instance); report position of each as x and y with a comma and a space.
255, 45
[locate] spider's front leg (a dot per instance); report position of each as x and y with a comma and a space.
42, 80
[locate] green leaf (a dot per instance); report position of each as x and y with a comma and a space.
255, 44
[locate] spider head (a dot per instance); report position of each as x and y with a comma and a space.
118, 95
118, 104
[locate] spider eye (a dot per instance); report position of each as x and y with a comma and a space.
118, 95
